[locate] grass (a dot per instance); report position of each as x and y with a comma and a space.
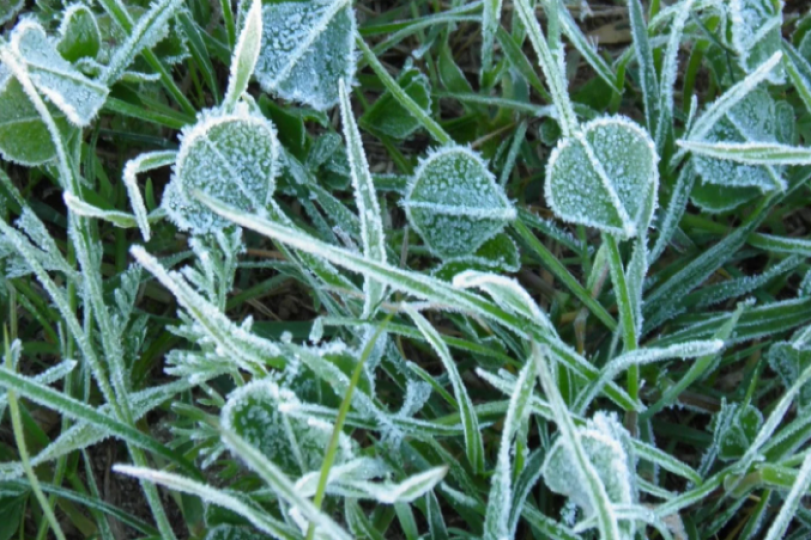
309, 270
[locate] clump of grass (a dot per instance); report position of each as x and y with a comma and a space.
319, 270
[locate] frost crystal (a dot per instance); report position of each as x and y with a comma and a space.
755, 118
74, 94
608, 447
232, 157
603, 176
756, 33
454, 202
307, 47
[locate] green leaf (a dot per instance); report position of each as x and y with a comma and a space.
497, 254
454, 203
753, 120
9, 9
79, 32
788, 362
246, 54
735, 428
24, 137
307, 47
253, 413
757, 33
233, 156
79, 97
388, 117
601, 177
716, 199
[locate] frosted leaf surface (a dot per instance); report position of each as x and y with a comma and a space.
788, 362
735, 428
79, 34
24, 138
233, 532
232, 157
754, 119
389, 117
71, 91
294, 444
607, 446
307, 47
454, 202
602, 176
497, 254
756, 33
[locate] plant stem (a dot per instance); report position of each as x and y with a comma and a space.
343, 411
626, 309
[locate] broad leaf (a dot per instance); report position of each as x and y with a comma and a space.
231, 156
788, 362
754, 119
756, 33
454, 202
390, 118
307, 47
602, 176
24, 137
79, 32
72, 92
735, 428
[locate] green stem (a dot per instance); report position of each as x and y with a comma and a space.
22, 448
626, 309
559, 270
343, 411
400, 95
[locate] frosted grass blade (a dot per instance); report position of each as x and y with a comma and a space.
470, 422
246, 54
644, 57
787, 512
143, 163
496, 524
260, 520
607, 522
281, 485
491, 20
371, 221
419, 285
752, 153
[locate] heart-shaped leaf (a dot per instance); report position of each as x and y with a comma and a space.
603, 175
454, 202
390, 118
24, 138
307, 47
735, 428
230, 156
80, 34
66, 87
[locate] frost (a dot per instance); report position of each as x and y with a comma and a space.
507, 293
788, 363
295, 445
735, 428
716, 199
753, 119
246, 53
454, 202
389, 117
69, 90
24, 137
233, 532
595, 178
306, 49
79, 33
230, 156
608, 447
756, 33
